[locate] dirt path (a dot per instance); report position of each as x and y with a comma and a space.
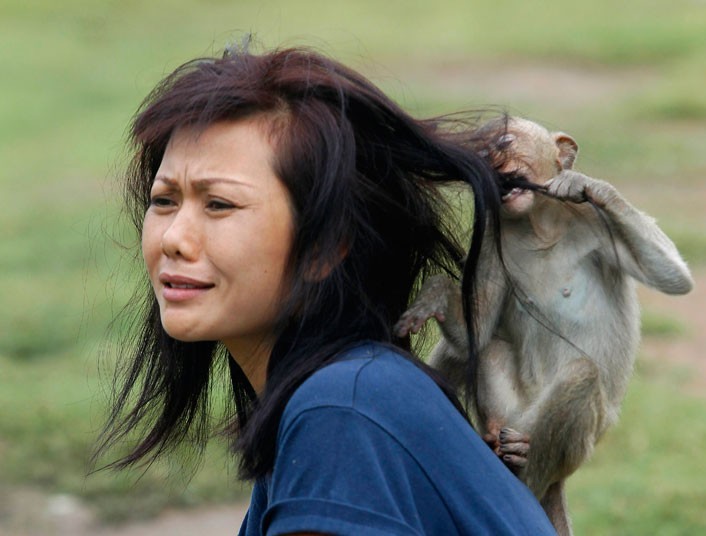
550, 85
61, 515
216, 521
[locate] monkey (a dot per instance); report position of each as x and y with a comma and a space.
557, 320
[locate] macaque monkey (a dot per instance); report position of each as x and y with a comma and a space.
558, 322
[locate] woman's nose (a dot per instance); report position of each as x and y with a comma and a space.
182, 237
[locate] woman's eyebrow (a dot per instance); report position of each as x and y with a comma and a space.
203, 184
165, 180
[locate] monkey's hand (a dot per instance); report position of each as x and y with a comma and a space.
513, 448
578, 188
432, 302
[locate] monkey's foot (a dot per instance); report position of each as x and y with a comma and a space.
513, 450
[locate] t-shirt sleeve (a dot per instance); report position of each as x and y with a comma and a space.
337, 472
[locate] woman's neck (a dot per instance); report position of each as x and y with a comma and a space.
252, 359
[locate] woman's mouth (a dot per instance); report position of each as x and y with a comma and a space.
178, 288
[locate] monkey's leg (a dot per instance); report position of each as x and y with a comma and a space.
567, 424
499, 396
450, 360
554, 504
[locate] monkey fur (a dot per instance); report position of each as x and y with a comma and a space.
558, 322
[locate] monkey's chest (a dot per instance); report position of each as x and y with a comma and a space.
561, 296
564, 299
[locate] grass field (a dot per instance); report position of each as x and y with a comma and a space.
74, 72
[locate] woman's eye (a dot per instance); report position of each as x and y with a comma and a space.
216, 204
158, 201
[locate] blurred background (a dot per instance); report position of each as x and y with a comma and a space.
626, 79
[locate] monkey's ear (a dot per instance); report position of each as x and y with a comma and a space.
568, 149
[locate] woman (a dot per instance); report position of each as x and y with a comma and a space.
287, 207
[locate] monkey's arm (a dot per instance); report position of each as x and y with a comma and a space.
440, 298
644, 251
491, 291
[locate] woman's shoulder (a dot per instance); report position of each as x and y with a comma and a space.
375, 381
367, 366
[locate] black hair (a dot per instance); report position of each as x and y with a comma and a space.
364, 180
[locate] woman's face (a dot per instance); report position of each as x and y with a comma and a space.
217, 236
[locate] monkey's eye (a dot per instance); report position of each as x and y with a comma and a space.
504, 141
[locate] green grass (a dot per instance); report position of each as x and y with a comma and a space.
51, 418
659, 325
647, 475
75, 71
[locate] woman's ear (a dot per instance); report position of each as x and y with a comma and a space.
321, 268
567, 149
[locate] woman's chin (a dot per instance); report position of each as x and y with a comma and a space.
183, 332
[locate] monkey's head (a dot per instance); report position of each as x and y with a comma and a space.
525, 155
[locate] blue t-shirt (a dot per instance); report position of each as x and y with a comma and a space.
370, 445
